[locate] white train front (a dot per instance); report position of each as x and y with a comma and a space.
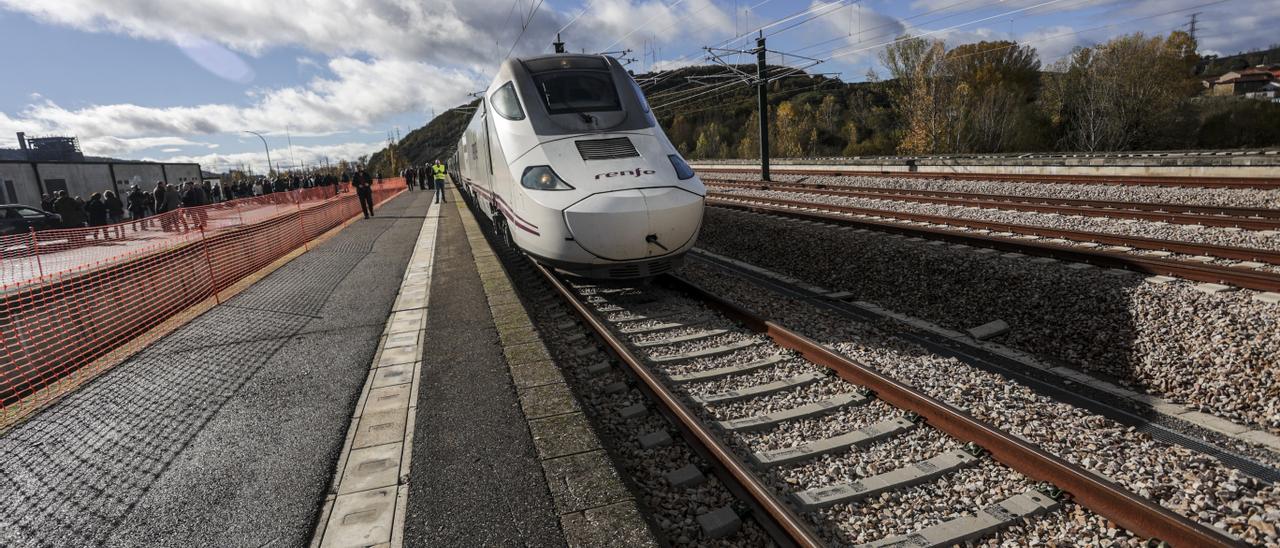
565, 156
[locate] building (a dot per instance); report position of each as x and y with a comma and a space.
46, 165
1244, 81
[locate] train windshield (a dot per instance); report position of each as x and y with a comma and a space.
577, 91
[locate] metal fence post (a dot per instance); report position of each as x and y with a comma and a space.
208, 262
35, 250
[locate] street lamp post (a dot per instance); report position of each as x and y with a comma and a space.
265, 147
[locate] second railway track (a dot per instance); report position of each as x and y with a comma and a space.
689, 348
1035, 240
1218, 216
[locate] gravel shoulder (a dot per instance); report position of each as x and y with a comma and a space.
1217, 353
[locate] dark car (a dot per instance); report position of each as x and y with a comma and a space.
16, 219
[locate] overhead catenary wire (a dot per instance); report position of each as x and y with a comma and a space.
523, 27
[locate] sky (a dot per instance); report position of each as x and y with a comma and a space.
183, 80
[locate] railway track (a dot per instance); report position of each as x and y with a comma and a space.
688, 348
1238, 217
1185, 182
1048, 242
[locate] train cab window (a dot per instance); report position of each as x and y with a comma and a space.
577, 91
506, 103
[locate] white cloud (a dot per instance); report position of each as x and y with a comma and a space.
361, 94
434, 31
257, 160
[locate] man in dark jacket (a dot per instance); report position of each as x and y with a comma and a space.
137, 206
97, 211
72, 215
364, 191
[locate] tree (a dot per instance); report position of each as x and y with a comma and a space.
794, 131
1123, 94
923, 93
996, 82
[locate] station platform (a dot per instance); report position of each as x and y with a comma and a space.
360, 395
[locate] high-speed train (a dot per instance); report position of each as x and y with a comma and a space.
565, 156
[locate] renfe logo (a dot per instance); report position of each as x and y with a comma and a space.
635, 172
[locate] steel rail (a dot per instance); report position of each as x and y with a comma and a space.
1254, 219
1137, 242
1030, 178
1135, 513
782, 516
1261, 281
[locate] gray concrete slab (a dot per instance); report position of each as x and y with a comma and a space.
225, 432
476, 480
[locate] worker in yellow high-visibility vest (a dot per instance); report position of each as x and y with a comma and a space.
437, 170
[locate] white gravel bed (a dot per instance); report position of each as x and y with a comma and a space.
900, 512
1070, 525
1227, 197
1189, 483
659, 352
795, 432
780, 401
1218, 353
1104, 225
776, 372
745, 355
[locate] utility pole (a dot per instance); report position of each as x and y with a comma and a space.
558, 44
762, 92
1191, 27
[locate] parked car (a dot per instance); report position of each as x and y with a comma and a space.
16, 219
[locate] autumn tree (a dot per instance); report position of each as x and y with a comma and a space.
923, 94
996, 83
794, 131
1123, 94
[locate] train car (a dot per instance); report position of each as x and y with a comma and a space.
565, 156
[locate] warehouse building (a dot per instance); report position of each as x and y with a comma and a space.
46, 165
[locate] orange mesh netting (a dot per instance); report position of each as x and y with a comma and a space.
75, 301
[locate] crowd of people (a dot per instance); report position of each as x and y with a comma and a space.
105, 211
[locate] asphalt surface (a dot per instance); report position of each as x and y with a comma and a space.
477, 480
225, 432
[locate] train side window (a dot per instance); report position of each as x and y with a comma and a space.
507, 103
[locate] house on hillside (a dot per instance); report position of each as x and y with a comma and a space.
1257, 82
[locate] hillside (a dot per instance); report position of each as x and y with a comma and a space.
426, 144
1216, 66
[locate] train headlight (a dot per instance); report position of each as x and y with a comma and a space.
542, 178
683, 171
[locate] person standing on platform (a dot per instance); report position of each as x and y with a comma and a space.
115, 211
409, 176
137, 207
437, 171
97, 211
364, 191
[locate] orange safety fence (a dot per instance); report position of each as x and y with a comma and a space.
70, 297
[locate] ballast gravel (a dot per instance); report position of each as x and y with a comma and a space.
1187, 482
953, 496
1219, 236
1224, 197
1217, 353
